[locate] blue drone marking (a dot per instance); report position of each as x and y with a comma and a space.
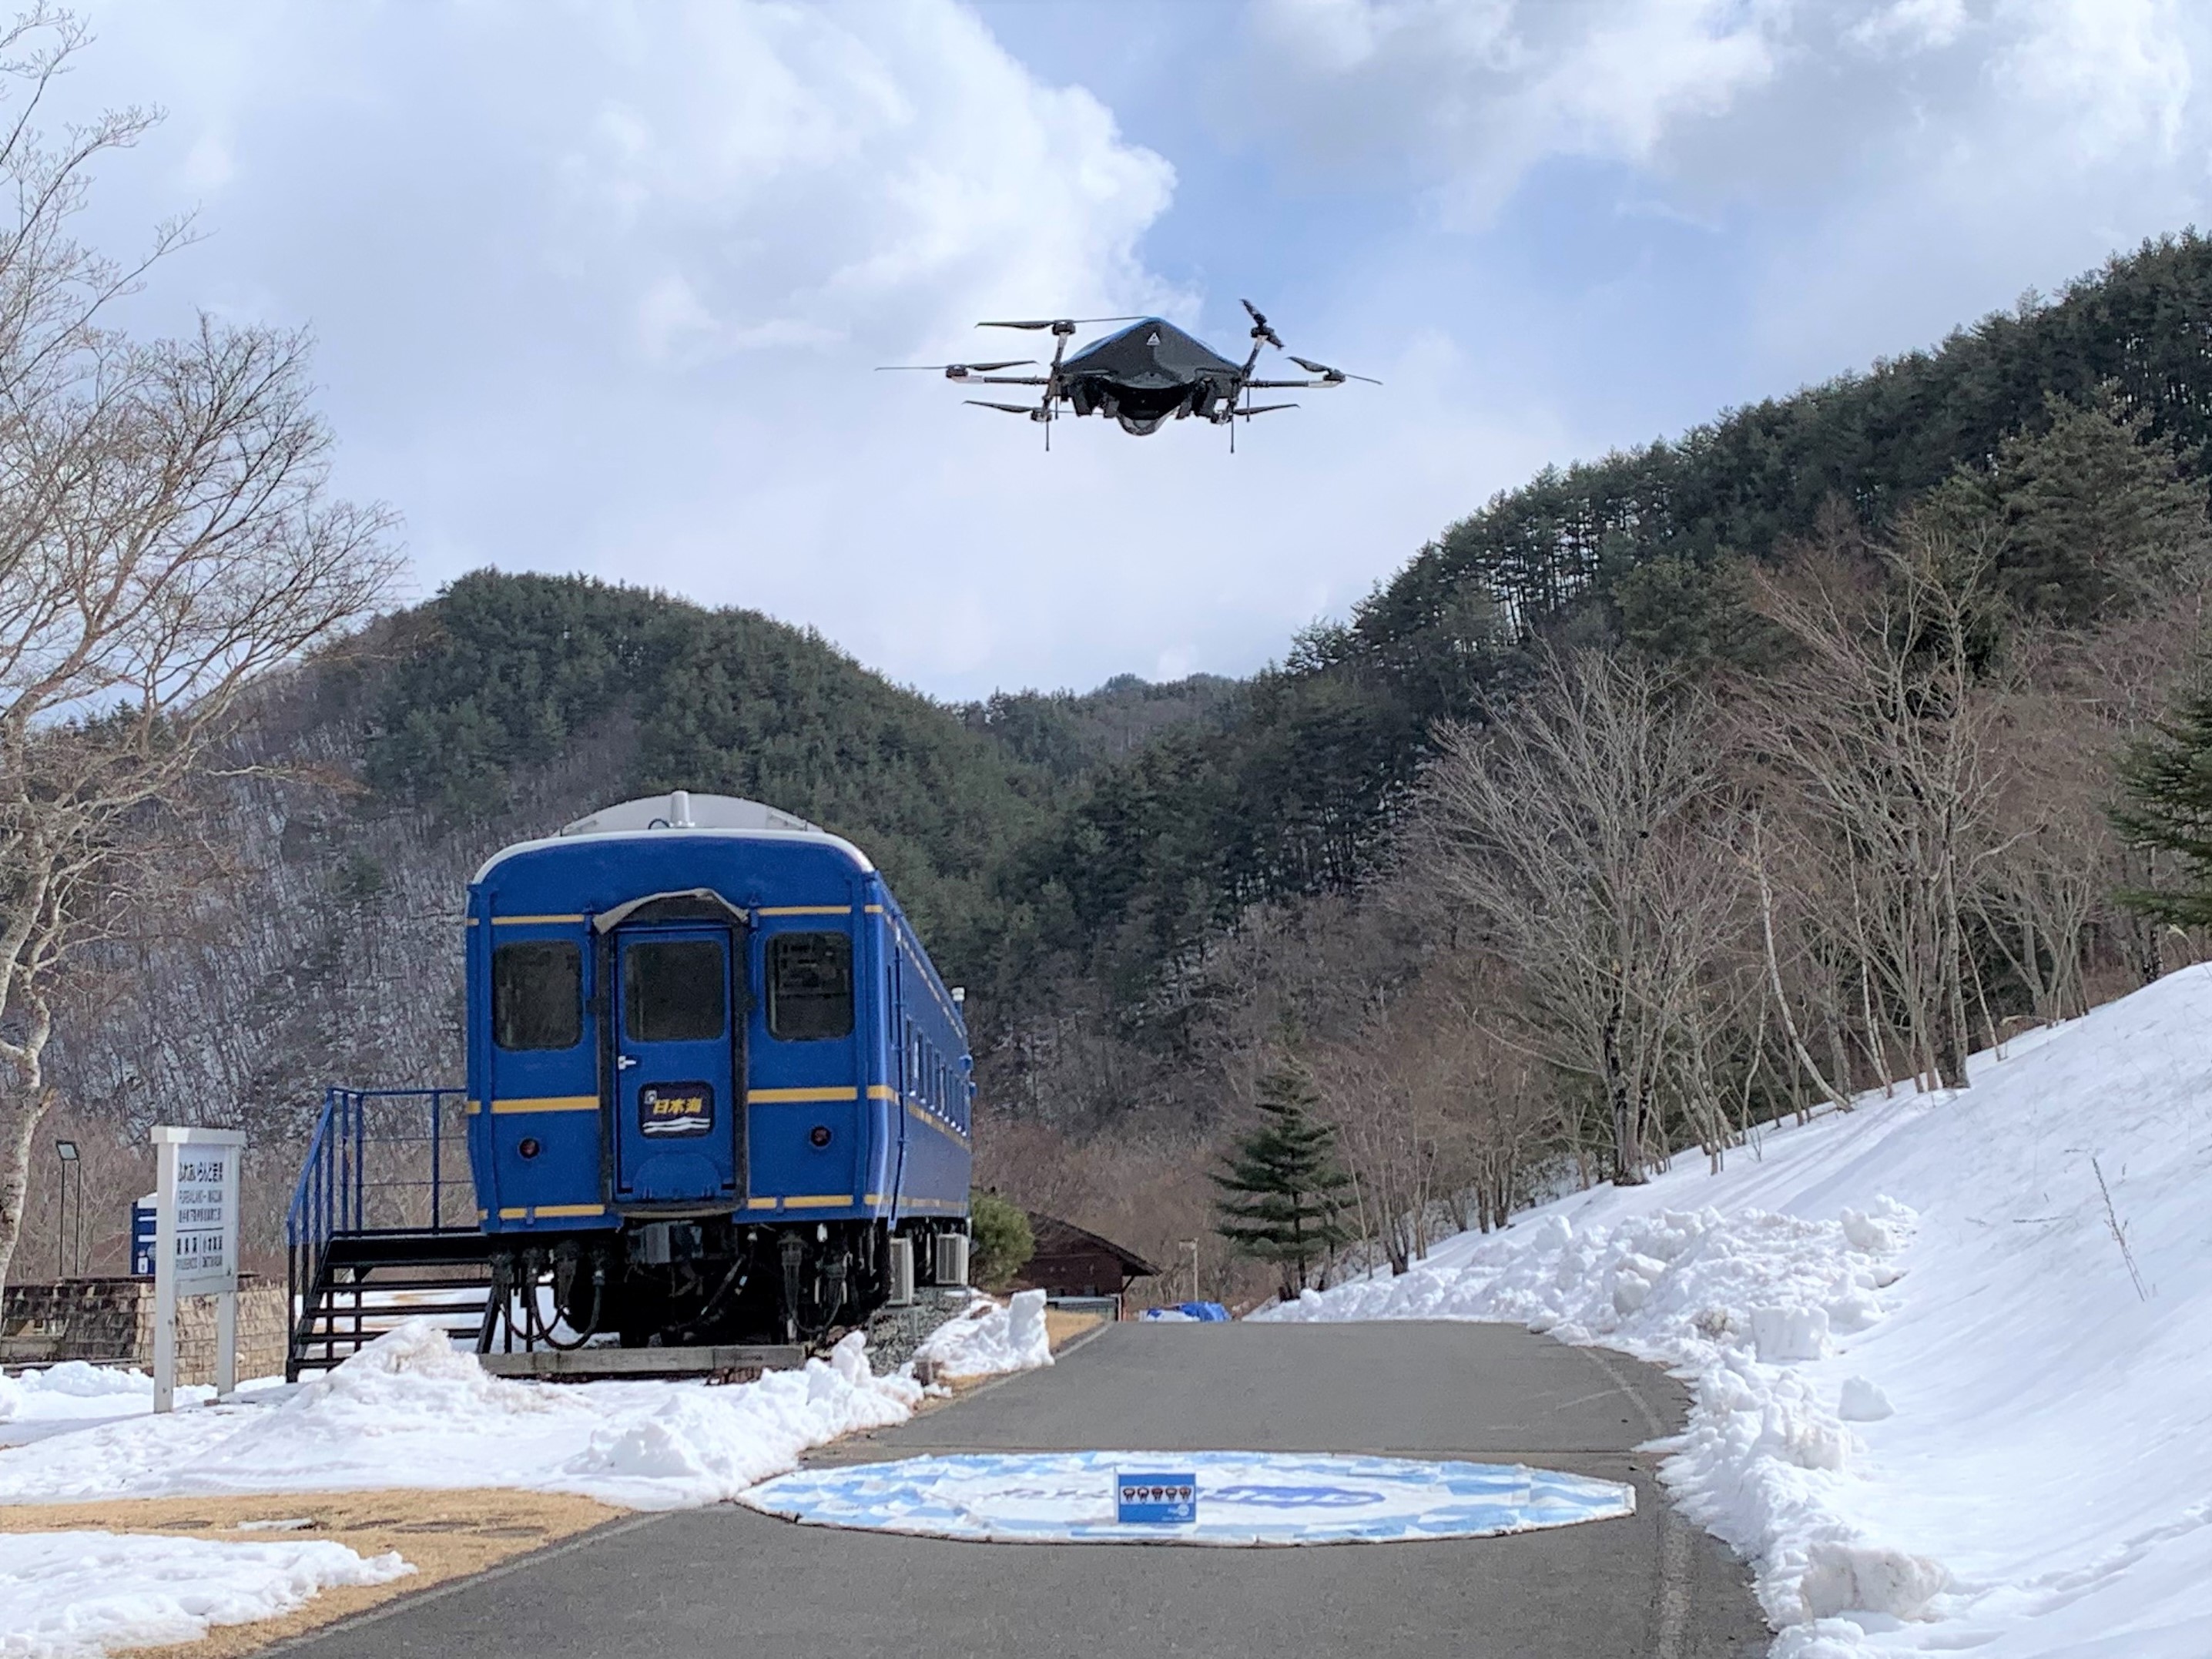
1243, 1498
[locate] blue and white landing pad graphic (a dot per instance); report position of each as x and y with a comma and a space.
1241, 1498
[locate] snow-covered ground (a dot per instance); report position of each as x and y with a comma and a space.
79, 1594
410, 1410
1936, 1402
413, 1410
72, 1395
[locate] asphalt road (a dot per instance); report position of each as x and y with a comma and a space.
728, 1581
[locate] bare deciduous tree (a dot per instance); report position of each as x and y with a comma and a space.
1880, 736
1583, 831
165, 540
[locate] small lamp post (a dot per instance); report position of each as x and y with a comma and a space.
66, 1152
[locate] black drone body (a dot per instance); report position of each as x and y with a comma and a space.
1142, 376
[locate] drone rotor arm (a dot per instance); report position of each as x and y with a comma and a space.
954, 371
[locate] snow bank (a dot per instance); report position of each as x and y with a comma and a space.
412, 1410
1930, 1403
63, 1594
987, 1338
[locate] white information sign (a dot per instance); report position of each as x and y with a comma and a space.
196, 1246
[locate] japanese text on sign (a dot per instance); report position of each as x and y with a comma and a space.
205, 1231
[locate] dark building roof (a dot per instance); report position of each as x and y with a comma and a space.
1058, 1240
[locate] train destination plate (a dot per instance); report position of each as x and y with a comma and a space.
667, 1110
1239, 1497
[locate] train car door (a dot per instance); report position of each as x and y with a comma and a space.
679, 1064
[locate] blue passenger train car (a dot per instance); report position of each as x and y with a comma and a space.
717, 1093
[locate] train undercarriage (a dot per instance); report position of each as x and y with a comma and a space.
682, 1281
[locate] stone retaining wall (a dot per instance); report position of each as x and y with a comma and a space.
110, 1322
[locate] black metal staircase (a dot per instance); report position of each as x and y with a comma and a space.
382, 1227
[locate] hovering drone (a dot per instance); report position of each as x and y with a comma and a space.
1142, 375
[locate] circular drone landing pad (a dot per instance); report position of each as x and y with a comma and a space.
1243, 1498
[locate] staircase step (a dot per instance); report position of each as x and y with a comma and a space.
401, 1294
387, 1318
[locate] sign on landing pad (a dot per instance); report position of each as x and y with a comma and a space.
1156, 1500
1236, 1497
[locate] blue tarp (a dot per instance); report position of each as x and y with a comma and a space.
1206, 1313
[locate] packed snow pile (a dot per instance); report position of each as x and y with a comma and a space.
77, 1595
1949, 1351
989, 1338
413, 1410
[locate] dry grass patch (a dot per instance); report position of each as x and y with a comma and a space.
444, 1535
1061, 1328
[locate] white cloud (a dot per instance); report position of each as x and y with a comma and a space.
1481, 93
603, 288
1891, 168
2113, 76
825, 172
1912, 25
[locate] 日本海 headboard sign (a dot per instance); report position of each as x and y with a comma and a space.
196, 1246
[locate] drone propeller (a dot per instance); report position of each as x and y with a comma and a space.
1263, 409
1029, 409
952, 371
1059, 325
1259, 329
1333, 376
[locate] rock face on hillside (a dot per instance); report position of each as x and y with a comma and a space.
319, 942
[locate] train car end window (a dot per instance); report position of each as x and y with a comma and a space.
537, 995
810, 987
672, 991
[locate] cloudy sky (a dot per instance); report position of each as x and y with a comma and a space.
598, 288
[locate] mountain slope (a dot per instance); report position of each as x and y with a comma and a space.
1078, 861
1293, 796
500, 673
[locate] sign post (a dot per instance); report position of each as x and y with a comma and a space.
196, 1246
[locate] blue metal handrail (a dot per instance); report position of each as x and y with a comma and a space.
338, 1197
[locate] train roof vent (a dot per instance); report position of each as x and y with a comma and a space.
681, 810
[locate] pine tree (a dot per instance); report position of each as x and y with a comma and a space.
2092, 513
2167, 781
1280, 1195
